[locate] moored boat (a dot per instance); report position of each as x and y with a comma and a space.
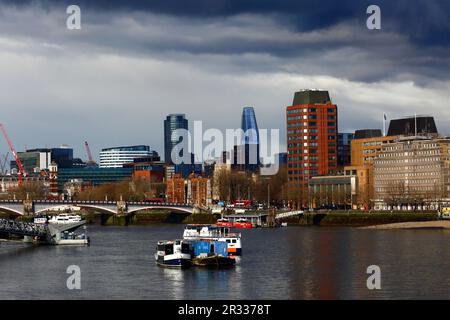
173, 253
212, 254
65, 219
215, 233
40, 220
240, 223
70, 238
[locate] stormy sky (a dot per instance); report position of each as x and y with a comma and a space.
133, 62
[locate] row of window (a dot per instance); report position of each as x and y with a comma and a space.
308, 124
413, 146
300, 131
307, 172
305, 110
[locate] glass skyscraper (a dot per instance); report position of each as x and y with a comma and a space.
172, 123
251, 139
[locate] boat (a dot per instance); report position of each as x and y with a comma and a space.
213, 261
243, 224
173, 253
216, 233
211, 254
239, 223
224, 223
70, 238
64, 218
40, 220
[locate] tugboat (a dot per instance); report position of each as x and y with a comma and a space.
211, 254
173, 253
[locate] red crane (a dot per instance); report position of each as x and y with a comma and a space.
21, 172
91, 162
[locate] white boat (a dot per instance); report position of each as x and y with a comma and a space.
70, 238
64, 219
175, 254
40, 220
216, 233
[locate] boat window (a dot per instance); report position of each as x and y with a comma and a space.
228, 240
233, 241
185, 248
169, 249
161, 247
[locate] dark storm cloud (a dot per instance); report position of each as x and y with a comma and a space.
414, 40
424, 22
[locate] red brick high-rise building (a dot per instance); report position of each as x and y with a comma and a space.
312, 127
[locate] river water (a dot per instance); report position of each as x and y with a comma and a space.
284, 263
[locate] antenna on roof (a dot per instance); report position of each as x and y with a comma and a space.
415, 124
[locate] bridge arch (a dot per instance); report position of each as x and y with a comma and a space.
11, 210
85, 206
188, 210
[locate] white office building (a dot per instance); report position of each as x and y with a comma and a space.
118, 156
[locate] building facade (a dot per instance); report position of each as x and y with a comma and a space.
93, 176
412, 173
33, 160
173, 122
199, 191
332, 192
118, 156
343, 149
176, 189
364, 150
312, 126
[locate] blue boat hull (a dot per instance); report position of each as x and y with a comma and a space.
174, 263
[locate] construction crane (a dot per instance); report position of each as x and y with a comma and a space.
3, 163
91, 162
21, 172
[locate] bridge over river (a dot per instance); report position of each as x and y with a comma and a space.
36, 207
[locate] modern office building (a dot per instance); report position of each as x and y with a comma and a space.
63, 156
173, 122
364, 150
118, 156
38, 159
33, 160
343, 149
413, 126
412, 173
250, 141
93, 176
312, 126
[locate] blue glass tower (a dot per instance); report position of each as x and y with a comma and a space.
172, 123
251, 139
